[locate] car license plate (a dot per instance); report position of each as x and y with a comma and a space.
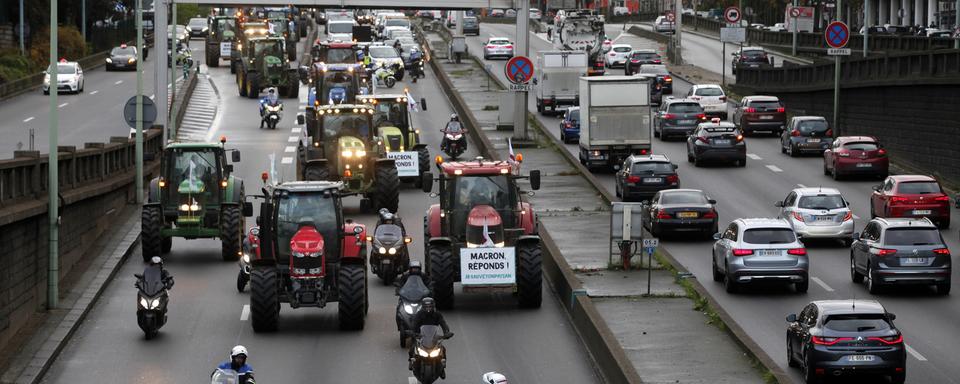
722, 142
860, 358
813, 140
770, 252
922, 211
652, 179
824, 218
687, 215
864, 165
685, 122
913, 260
766, 117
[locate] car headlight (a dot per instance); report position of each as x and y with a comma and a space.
204, 29
109, 61
392, 251
46, 79
382, 250
131, 60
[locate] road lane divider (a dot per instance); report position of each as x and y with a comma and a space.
94, 92
286, 160
821, 283
914, 353
293, 139
773, 168
63, 105
245, 312
754, 156
27, 120
290, 149
118, 82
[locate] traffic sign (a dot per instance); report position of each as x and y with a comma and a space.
733, 34
731, 14
519, 70
837, 34
651, 243
671, 16
795, 12
838, 51
149, 112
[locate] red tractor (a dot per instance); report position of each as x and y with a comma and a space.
482, 233
309, 255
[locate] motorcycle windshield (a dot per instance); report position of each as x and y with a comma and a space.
388, 234
152, 282
225, 376
192, 178
430, 336
414, 289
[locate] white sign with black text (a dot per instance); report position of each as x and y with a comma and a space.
487, 266
521, 87
408, 163
225, 49
838, 51
733, 34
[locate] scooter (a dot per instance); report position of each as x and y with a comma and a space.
251, 249
389, 251
224, 376
272, 113
430, 356
454, 143
417, 70
152, 301
411, 295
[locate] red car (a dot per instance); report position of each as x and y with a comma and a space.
911, 196
855, 155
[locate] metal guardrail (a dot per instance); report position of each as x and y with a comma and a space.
933, 66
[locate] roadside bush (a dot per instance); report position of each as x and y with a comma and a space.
13, 66
70, 45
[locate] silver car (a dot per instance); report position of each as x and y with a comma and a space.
818, 213
756, 250
498, 47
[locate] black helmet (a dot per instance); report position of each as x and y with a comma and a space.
415, 268
429, 305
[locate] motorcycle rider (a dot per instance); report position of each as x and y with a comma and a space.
416, 58
269, 99
429, 316
414, 269
453, 126
238, 363
157, 263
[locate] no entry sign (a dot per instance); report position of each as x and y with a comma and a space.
519, 70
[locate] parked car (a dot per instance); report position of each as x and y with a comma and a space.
750, 57
833, 338
900, 251
711, 97
818, 213
617, 56
677, 118
498, 47
760, 113
639, 57
680, 211
621, 11
911, 196
778, 27
510, 13
661, 72
806, 134
641, 176
754, 250
663, 25
570, 125
716, 141
855, 155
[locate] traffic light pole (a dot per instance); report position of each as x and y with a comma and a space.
53, 181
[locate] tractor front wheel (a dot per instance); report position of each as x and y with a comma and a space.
316, 173
231, 233
151, 223
442, 274
167, 245
352, 304
242, 85
293, 85
264, 299
386, 186
423, 158
529, 275
213, 59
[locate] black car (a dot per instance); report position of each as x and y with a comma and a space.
122, 57
662, 74
640, 177
845, 337
900, 251
680, 210
716, 141
677, 118
806, 134
640, 57
750, 57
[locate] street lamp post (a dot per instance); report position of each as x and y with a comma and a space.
139, 139
53, 181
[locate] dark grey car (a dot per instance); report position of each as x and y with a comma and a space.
677, 118
806, 134
900, 251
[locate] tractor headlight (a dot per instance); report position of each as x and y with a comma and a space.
392, 251
190, 207
382, 250
360, 153
347, 153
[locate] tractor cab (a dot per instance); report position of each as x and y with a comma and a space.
400, 140
335, 52
306, 219
224, 26
481, 197
338, 83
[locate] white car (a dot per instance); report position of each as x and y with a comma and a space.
711, 98
510, 13
688, 12
778, 27
386, 55
606, 45
340, 30
69, 77
498, 47
818, 213
535, 14
617, 56
663, 25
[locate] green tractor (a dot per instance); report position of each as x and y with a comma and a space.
222, 38
263, 65
280, 30
399, 138
342, 145
196, 196
248, 30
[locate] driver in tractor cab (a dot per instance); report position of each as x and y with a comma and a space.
453, 126
338, 87
238, 363
429, 316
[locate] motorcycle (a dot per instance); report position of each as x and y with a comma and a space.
225, 376
454, 144
251, 248
152, 301
390, 254
385, 76
417, 70
411, 294
272, 113
430, 356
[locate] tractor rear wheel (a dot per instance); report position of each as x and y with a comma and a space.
352, 285
213, 60
386, 189
293, 85
167, 245
529, 275
316, 173
264, 299
423, 158
442, 274
242, 86
292, 53
151, 223
231, 233
253, 86
233, 66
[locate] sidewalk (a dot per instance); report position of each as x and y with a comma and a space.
654, 330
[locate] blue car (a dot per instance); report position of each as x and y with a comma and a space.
570, 126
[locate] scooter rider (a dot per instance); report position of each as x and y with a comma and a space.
453, 126
429, 316
416, 59
238, 363
414, 269
269, 99
157, 263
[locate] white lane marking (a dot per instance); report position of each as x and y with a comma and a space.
286, 160
914, 352
774, 168
822, 284
856, 217
290, 149
293, 139
27, 120
295, 130
94, 92
245, 313
753, 156
63, 105
801, 185
118, 82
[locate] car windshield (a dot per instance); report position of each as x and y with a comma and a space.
123, 51
685, 108
765, 104
861, 146
621, 49
812, 126
918, 187
383, 52
470, 191
227, 24
651, 167
341, 55
66, 69
339, 27
644, 55
296, 208
769, 236
821, 202
654, 70
500, 42
198, 22
683, 198
335, 125
399, 23
267, 47
574, 115
390, 114
471, 21
752, 54
279, 26
710, 91
859, 322
912, 236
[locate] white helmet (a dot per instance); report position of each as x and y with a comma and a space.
238, 350
494, 378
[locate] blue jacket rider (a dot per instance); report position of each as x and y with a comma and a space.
271, 99
238, 363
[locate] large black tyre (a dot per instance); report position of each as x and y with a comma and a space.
390, 82
292, 53
386, 189
231, 232
529, 275
316, 173
213, 59
151, 222
242, 280
264, 299
443, 268
293, 86
167, 245
352, 283
302, 26
233, 66
242, 86
423, 160
253, 86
